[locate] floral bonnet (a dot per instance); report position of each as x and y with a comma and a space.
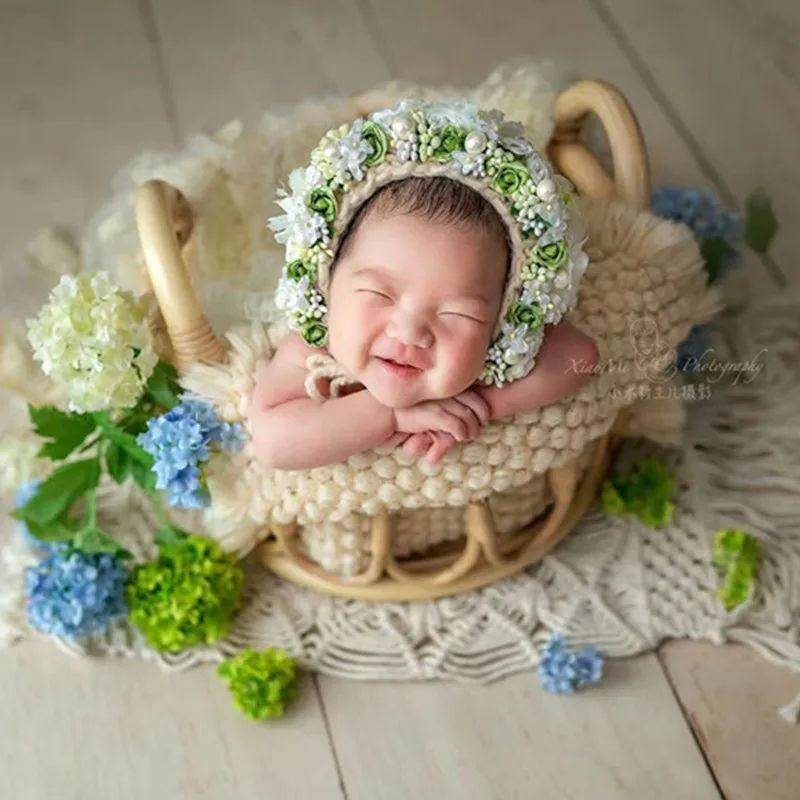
453, 139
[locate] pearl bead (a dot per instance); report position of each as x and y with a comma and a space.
330, 151
401, 126
475, 142
546, 189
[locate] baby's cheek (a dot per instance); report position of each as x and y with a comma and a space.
466, 355
349, 334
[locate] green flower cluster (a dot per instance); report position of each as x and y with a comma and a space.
187, 596
737, 559
645, 493
262, 683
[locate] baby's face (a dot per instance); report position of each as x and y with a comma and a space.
412, 307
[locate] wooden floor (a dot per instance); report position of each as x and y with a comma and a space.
84, 84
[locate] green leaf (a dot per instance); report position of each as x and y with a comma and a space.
67, 430
93, 540
144, 476
714, 251
169, 535
57, 494
760, 224
163, 385
127, 442
57, 531
118, 462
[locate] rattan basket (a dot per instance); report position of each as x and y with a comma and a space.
483, 554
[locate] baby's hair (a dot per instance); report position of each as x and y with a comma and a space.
439, 200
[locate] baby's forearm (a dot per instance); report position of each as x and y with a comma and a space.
305, 433
564, 365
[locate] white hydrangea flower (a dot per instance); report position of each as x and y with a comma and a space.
92, 340
19, 462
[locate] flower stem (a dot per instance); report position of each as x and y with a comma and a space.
91, 508
158, 504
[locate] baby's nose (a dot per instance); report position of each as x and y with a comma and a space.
410, 331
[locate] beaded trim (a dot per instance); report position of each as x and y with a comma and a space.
457, 140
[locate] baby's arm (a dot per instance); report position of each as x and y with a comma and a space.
563, 365
293, 431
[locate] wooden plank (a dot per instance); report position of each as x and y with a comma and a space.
233, 59
79, 96
76, 729
461, 41
731, 697
736, 91
624, 740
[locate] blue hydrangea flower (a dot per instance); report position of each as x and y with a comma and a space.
73, 595
564, 672
180, 441
704, 215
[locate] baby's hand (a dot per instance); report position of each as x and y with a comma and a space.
462, 416
433, 445
437, 443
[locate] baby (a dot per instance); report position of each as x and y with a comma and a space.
416, 287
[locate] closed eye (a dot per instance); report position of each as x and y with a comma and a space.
462, 315
374, 292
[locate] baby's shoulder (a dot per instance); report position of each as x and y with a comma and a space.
292, 351
282, 378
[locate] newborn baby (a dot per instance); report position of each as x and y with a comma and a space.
416, 288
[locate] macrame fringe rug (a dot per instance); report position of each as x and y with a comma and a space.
614, 582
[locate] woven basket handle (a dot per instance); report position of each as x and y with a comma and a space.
631, 182
164, 223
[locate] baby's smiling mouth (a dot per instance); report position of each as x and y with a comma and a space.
399, 368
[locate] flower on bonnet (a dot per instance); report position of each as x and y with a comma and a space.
92, 340
179, 442
563, 672
73, 595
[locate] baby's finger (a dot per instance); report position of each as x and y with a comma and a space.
478, 405
447, 419
443, 443
417, 445
467, 415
